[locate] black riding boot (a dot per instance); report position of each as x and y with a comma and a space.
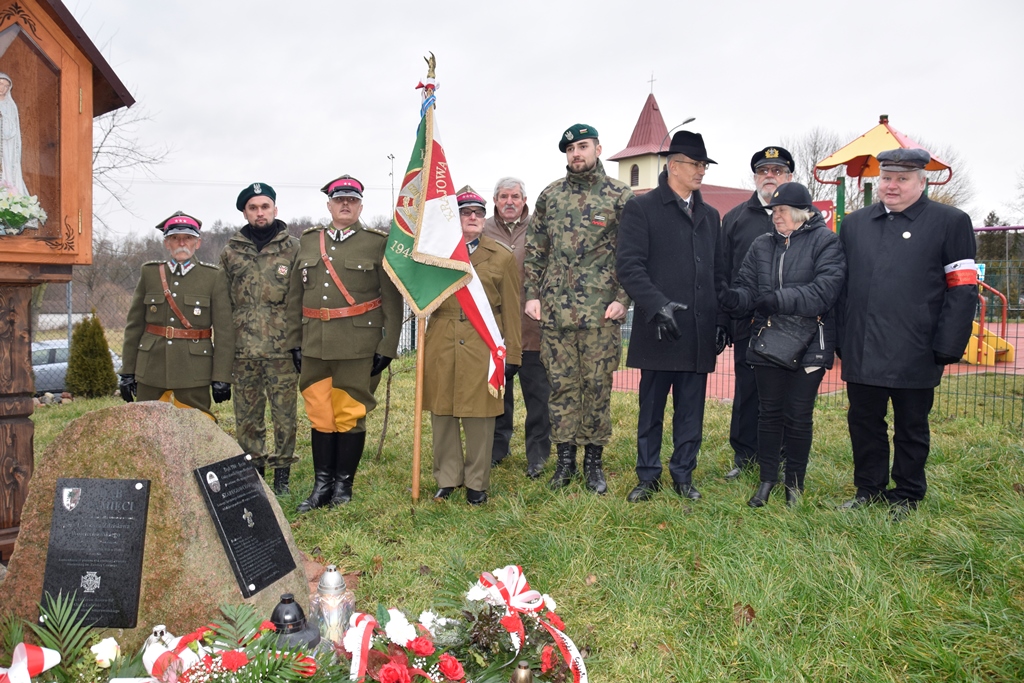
323, 470
565, 469
281, 476
592, 468
350, 450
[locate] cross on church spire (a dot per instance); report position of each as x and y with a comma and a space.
652, 82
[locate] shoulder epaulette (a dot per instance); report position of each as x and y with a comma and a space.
313, 229
507, 246
154, 263
380, 231
209, 265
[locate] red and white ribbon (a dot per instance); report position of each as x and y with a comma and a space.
29, 661
362, 632
519, 598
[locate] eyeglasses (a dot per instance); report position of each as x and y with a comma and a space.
771, 170
701, 165
467, 212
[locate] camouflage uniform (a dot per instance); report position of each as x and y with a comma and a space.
570, 267
179, 370
265, 308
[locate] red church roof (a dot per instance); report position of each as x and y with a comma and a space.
648, 135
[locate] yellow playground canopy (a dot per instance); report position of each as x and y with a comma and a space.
859, 156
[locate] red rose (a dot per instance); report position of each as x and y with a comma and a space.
233, 660
392, 672
555, 620
511, 623
547, 659
421, 647
267, 626
450, 667
306, 666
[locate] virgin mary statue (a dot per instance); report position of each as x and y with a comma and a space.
10, 139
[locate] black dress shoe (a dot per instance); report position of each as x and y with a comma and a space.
534, 471
760, 496
645, 490
855, 503
443, 493
793, 496
476, 497
686, 490
733, 474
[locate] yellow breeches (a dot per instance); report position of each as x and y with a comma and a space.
169, 397
331, 409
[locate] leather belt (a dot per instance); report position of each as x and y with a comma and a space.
347, 312
178, 333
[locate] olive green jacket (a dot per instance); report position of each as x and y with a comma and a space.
265, 305
358, 262
570, 250
202, 296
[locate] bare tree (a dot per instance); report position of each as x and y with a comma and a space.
118, 154
807, 150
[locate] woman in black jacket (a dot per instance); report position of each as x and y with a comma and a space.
796, 271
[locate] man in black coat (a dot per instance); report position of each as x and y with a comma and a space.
906, 313
666, 263
772, 166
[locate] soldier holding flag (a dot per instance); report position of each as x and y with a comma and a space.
454, 386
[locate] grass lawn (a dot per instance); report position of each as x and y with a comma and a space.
707, 591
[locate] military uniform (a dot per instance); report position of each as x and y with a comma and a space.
570, 268
169, 367
266, 309
454, 375
340, 338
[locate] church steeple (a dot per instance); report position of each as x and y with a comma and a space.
639, 163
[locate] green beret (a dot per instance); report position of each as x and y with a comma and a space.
254, 190
575, 132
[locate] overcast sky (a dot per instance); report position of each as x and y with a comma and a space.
296, 93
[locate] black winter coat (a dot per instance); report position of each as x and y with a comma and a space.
897, 309
664, 255
806, 271
741, 225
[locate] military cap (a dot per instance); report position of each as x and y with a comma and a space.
690, 144
344, 186
180, 223
254, 190
772, 156
575, 133
903, 159
467, 196
791, 194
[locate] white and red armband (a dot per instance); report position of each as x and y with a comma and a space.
962, 272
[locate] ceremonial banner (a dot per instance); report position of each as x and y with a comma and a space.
426, 256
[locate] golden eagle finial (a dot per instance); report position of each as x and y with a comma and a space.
431, 65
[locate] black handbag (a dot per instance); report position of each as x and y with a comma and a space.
784, 339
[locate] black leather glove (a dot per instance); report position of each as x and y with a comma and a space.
722, 339
380, 363
839, 353
297, 359
221, 391
129, 388
767, 304
510, 370
729, 300
943, 359
665, 319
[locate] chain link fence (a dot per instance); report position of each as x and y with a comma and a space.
992, 390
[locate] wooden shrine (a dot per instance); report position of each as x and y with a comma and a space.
53, 82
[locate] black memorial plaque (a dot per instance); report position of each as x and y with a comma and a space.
246, 523
97, 539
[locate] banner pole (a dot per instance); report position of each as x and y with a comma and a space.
417, 424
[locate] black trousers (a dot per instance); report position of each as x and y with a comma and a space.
743, 428
688, 392
869, 437
533, 382
786, 419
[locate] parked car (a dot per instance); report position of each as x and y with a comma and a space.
50, 364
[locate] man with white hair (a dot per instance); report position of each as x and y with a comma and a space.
508, 226
905, 314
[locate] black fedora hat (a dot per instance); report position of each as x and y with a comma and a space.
690, 144
791, 194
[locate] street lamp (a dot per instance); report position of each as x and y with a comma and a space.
662, 145
391, 157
